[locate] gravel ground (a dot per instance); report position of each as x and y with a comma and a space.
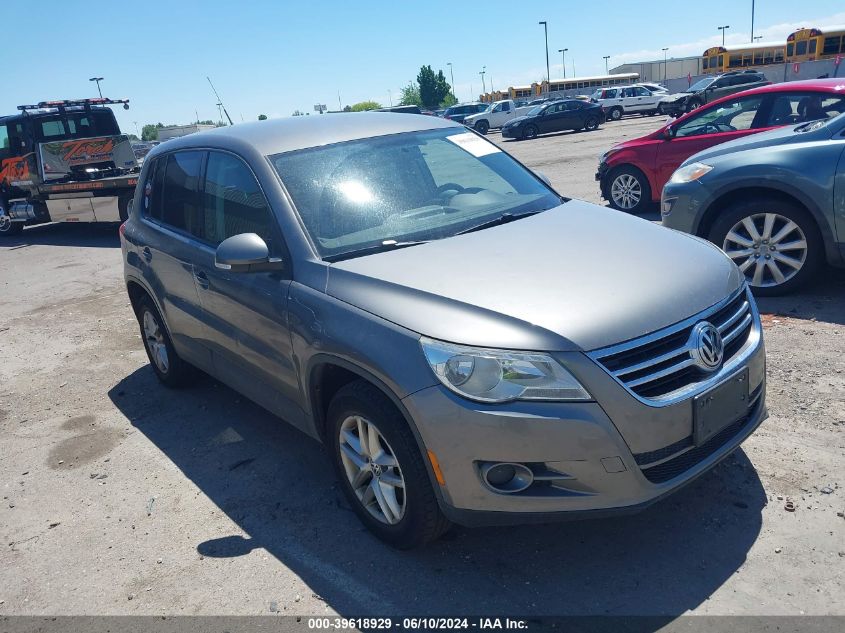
122, 497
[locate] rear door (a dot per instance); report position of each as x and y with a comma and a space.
710, 126
246, 313
165, 248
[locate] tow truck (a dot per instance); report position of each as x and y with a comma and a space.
65, 161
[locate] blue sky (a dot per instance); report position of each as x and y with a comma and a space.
274, 57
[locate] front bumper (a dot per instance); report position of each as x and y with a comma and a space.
682, 205
615, 455
512, 132
674, 108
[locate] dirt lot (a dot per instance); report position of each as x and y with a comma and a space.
122, 497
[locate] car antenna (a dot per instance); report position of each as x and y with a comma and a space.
219, 100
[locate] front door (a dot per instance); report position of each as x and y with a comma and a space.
246, 313
708, 127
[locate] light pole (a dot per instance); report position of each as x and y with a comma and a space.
605, 58
483, 84
98, 80
562, 51
390, 97
664, 65
752, 21
546, 31
723, 29
452, 75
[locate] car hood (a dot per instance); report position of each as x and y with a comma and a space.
575, 277
517, 121
780, 136
677, 96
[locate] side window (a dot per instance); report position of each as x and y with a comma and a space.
728, 117
804, 106
52, 128
812, 47
506, 107
4, 142
180, 199
233, 201
152, 189
642, 92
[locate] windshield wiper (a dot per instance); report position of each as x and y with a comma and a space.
502, 219
385, 245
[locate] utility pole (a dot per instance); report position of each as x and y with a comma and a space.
452, 75
546, 31
752, 21
220, 102
483, 84
605, 58
664, 65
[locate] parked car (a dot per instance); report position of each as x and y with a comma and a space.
654, 88
710, 89
632, 173
499, 113
569, 114
402, 109
459, 112
469, 345
770, 201
622, 100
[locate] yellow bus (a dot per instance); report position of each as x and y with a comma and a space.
585, 83
521, 92
720, 59
810, 44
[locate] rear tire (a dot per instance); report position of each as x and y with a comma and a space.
371, 472
482, 127
628, 190
615, 113
776, 243
530, 131
7, 227
166, 363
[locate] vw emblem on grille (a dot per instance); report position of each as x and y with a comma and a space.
706, 346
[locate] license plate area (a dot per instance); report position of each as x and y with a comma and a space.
720, 407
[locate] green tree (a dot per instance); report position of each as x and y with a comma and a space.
411, 95
262, 117
363, 106
450, 100
433, 88
150, 132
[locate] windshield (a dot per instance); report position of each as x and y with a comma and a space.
535, 110
410, 187
701, 85
76, 124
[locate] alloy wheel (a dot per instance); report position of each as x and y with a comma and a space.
626, 191
372, 469
154, 339
769, 249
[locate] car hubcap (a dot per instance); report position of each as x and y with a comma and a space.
5, 223
617, 114
626, 191
372, 469
769, 248
154, 339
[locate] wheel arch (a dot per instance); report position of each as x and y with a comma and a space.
611, 174
781, 191
137, 290
327, 373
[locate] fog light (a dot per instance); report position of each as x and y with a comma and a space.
506, 477
668, 203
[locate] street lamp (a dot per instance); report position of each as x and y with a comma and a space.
452, 75
757, 38
605, 58
752, 21
562, 51
98, 80
390, 97
483, 84
546, 31
723, 29
664, 65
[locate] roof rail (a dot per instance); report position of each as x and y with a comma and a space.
67, 103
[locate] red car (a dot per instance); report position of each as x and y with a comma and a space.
632, 174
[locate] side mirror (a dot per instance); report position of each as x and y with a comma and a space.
245, 253
669, 133
543, 177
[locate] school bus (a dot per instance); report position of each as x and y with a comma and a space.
583, 83
810, 44
521, 92
721, 59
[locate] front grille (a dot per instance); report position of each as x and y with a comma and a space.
660, 367
671, 468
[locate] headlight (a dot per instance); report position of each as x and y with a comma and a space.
603, 158
491, 375
690, 172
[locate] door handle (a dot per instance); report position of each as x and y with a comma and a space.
147, 253
202, 280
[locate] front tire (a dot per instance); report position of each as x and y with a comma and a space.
591, 124
629, 190
482, 127
693, 104
530, 132
166, 363
7, 227
381, 468
775, 243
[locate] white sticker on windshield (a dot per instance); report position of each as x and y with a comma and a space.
473, 144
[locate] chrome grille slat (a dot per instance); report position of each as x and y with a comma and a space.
727, 338
659, 367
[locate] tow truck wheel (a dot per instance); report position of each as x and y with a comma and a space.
7, 227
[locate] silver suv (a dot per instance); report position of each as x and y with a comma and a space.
469, 345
